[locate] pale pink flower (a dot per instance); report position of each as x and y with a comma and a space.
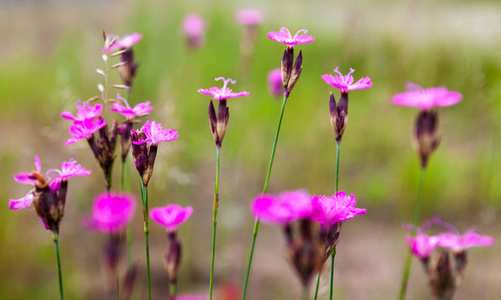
194, 30
122, 43
345, 82
85, 111
283, 209
426, 99
155, 134
421, 245
224, 92
68, 169
457, 242
28, 177
336, 208
249, 17
140, 109
171, 216
275, 85
24, 202
284, 36
111, 212
84, 129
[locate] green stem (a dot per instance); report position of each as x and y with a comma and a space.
265, 189
214, 223
172, 290
338, 147
55, 238
317, 285
333, 253
305, 292
415, 219
129, 229
144, 196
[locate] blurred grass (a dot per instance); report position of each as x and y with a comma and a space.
44, 72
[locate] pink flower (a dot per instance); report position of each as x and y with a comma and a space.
336, 208
284, 36
111, 212
24, 202
171, 216
194, 30
29, 177
141, 109
421, 245
224, 92
155, 134
190, 297
345, 82
85, 111
84, 129
457, 242
283, 209
425, 99
275, 86
122, 43
249, 17
68, 169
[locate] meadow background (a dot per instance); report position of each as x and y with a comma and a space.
49, 51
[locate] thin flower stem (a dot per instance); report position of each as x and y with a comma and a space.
338, 147
265, 189
214, 223
55, 238
333, 253
305, 292
415, 219
144, 196
172, 290
129, 229
317, 285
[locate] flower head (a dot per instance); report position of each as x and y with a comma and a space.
457, 242
284, 36
154, 134
275, 86
336, 208
68, 169
111, 212
345, 82
194, 30
140, 109
249, 17
171, 216
84, 129
123, 43
85, 111
421, 245
426, 99
224, 92
282, 209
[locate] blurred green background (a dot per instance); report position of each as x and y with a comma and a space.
48, 56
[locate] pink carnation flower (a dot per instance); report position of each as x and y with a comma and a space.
283, 209
28, 177
122, 43
336, 208
141, 109
425, 99
284, 36
345, 82
111, 212
68, 169
155, 134
249, 17
421, 245
224, 92
85, 111
457, 242
194, 30
24, 202
84, 129
275, 85
171, 216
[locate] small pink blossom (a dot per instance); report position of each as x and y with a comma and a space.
275, 85
140, 109
283, 209
345, 82
171, 216
224, 92
28, 177
85, 111
336, 208
127, 41
457, 242
68, 169
284, 36
111, 212
24, 202
426, 99
155, 134
249, 17
421, 245
84, 129
190, 297
194, 30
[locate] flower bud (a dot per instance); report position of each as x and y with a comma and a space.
290, 70
339, 115
172, 258
125, 143
218, 124
425, 135
139, 152
128, 68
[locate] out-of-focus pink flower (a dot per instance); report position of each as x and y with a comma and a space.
155, 134
284, 36
24, 202
336, 208
68, 169
122, 43
421, 245
85, 111
190, 297
171, 216
111, 212
275, 86
140, 109
224, 92
345, 82
28, 177
84, 129
194, 30
249, 17
283, 209
457, 242
426, 99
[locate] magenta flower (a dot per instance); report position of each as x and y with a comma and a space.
29, 177
284, 36
122, 43
224, 92
84, 129
111, 212
68, 169
194, 30
275, 86
345, 82
334, 209
426, 99
421, 245
190, 297
457, 242
155, 134
249, 17
171, 216
85, 111
283, 209
24, 202
140, 109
